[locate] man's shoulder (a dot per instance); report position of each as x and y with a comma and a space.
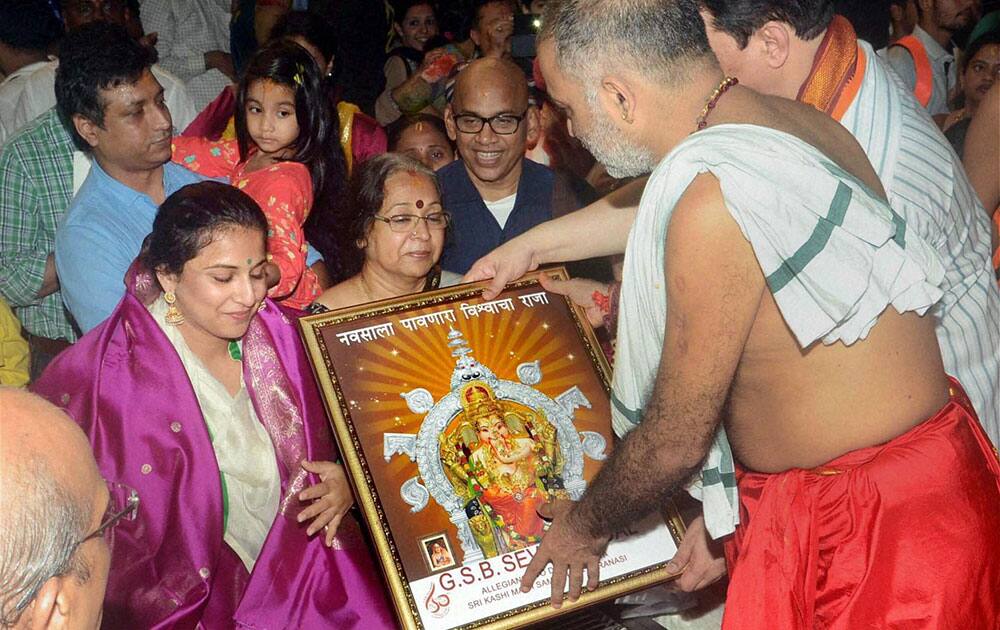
538, 177
901, 61
97, 202
920, 142
536, 169
45, 136
89, 207
755, 152
10, 92
176, 176
38, 92
456, 187
168, 80
452, 171
43, 74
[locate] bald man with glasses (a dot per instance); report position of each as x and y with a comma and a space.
59, 518
493, 193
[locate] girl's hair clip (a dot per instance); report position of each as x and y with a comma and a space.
298, 75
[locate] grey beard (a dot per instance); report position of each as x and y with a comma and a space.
620, 158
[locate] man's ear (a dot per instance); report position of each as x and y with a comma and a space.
475, 36
398, 29
534, 122
773, 41
617, 98
449, 124
86, 128
50, 608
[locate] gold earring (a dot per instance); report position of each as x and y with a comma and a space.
174, 316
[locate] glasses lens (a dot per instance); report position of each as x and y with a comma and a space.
402, 222
505, 124
469, 124
437, 221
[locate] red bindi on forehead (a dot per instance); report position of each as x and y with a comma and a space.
420, 203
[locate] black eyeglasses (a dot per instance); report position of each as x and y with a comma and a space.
408, 222
123, 504
501, 124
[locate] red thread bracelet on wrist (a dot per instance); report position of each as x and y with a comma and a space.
601, 301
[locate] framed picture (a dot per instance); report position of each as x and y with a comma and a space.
437, 552
457, 418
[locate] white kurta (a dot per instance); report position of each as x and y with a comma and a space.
251, 485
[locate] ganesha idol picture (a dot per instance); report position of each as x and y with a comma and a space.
458, 419
492, 451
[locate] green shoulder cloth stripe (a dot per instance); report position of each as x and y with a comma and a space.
712, 476
898, 221
632, 416
815, 243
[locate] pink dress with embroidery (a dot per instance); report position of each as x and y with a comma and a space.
284, 192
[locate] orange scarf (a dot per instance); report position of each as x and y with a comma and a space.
837, 71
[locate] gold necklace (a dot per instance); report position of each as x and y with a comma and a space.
722, 88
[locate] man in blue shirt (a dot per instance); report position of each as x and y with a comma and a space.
493, 192
115, 110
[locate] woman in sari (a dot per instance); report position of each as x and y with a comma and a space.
196, 392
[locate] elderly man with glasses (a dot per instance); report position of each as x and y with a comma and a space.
493, 193
59, 517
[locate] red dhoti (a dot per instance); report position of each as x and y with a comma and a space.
901, 535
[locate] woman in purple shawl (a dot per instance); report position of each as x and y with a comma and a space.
196, 392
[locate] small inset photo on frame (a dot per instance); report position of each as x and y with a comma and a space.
437, 552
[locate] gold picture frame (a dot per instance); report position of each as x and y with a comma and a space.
457, 417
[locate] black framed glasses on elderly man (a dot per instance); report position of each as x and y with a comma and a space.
123, 504
501, 124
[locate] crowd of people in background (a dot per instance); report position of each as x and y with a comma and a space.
181, 179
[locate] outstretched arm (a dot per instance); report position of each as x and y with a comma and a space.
714, 287
600, 229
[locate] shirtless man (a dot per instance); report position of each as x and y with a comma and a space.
751, 288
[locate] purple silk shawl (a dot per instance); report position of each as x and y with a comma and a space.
125, 386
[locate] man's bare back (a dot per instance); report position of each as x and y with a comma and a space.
795, 408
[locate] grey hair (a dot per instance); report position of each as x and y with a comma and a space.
664, 39
43, 525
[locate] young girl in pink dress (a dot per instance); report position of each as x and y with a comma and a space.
286, 156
